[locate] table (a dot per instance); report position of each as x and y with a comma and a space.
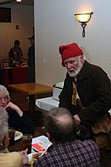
13, 75
43, 139
47, 103
33, 91
17, 146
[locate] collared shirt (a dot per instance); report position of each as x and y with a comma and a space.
71, 154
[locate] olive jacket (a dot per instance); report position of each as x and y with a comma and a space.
94, 90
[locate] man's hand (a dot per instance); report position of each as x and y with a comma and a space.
77, 119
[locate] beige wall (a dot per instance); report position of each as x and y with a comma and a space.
22, 16
55, 25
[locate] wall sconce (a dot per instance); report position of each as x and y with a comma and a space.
18, 0
83, 18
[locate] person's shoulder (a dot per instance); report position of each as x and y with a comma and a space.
91, 144
94, 68
11, 159
11, 48
15, 155
17, 158
88, 143
84, 142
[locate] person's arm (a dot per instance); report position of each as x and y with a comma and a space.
21, 55
14, 107
97, 108
101, 103
10, 54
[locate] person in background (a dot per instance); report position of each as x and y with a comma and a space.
9, 159
66, 150
17, 119
31, 60
92, 90
15, 54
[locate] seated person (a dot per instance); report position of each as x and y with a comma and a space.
66, 149
15, 54
9, 159
17, 119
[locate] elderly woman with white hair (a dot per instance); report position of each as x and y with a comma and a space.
9, 159
17, 119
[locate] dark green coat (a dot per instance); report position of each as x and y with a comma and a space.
94, 89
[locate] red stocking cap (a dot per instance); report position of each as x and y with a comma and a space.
69, 50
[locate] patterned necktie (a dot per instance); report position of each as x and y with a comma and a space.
74, 95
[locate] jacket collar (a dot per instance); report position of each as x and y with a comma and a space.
83, 74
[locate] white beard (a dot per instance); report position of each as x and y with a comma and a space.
74, 73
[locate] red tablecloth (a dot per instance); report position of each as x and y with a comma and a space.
13, 75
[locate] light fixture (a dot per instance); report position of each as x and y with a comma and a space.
83, 18
18, 0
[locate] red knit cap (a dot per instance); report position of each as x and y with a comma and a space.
69, 50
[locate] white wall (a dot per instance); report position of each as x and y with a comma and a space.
22, 16
56, 25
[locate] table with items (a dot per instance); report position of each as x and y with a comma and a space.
13, 75
38, 145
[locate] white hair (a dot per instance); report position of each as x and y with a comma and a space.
3, 90
3, 123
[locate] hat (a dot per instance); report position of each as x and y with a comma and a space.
69, 50
32, 37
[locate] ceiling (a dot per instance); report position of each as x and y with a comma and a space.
24, 2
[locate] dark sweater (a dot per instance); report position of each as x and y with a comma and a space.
23, 124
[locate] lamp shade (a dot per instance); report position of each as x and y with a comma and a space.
83, 17
18, 0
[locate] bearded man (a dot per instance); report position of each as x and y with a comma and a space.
93, 90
